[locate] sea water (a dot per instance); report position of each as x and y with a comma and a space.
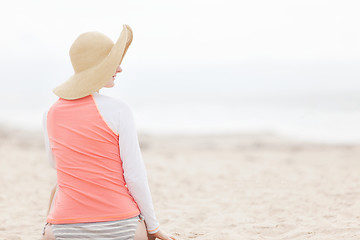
208, 101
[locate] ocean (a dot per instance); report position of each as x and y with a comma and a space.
221, 101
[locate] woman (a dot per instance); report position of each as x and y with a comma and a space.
102, 190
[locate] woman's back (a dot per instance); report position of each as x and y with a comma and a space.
92, 140
89, 167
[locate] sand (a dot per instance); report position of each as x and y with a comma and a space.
245, 186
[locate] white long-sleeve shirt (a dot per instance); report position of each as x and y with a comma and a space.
119, 117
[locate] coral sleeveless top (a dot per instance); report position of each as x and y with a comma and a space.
91, 185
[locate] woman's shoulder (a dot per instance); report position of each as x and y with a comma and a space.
111, 107
111, 102
113, 110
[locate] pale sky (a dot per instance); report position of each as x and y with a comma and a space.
188, 31
194, 50
275, 44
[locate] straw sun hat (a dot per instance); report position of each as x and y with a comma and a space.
94, 58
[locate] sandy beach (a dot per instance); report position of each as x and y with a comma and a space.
245, 186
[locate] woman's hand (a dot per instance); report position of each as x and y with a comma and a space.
160, 235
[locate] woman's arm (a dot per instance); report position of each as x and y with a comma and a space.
48, 150
52, 194
135, 175
50, 156
134, 169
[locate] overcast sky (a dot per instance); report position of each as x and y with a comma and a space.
193, 50
189, 31
239, 39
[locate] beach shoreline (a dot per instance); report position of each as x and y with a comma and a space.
247, 186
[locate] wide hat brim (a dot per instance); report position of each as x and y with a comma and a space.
86, 82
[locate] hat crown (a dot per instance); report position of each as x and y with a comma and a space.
89, 49
94, 58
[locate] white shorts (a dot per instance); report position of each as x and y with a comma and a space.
111, 230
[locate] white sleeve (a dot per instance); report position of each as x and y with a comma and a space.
134, 169
48, 150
